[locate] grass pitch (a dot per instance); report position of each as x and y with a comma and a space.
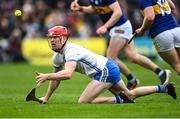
16, 80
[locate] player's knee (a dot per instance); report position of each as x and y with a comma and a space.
83, 101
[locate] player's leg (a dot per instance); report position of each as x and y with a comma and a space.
116, 89
177, 42
120, 97
145, 62
172, 58
178, 52
165, 44
168, 88
133, 56
93, 90
147, 90
103, 80
118, 41
113, 50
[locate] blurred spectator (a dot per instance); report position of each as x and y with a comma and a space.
15, 45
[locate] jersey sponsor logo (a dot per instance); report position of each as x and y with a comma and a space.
102, 10
162, 7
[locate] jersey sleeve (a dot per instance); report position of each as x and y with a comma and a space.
72, 54
145, 3
109, 2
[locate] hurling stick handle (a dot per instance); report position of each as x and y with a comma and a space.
134, 34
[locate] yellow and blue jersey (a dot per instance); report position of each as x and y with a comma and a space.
102, 8
163, 17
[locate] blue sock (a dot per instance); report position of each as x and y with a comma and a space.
161, 89
130, 77
117, 99
159, 71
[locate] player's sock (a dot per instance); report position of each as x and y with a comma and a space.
130, 78
161, 89
163, 75
118, 99
160, 72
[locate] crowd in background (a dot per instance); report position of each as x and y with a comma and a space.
40, 15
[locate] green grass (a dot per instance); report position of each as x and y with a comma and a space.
16, 80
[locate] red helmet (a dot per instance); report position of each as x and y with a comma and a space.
58, 31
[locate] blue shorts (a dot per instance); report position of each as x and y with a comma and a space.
110, 73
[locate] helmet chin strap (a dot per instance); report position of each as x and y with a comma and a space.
63, 42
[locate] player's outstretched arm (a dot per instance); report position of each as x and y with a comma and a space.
53, 85
60, 75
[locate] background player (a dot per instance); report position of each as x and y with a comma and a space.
163, 29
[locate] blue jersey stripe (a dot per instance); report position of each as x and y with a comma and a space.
105, 71
90, 65
71, 60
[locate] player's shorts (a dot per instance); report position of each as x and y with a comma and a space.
110, 73
123, 31
167, 40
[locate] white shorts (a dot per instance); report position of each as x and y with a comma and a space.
123, 31
167, 40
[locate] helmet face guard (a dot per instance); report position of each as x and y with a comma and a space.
56, 43
55, 33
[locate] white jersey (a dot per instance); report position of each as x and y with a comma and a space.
88, 62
